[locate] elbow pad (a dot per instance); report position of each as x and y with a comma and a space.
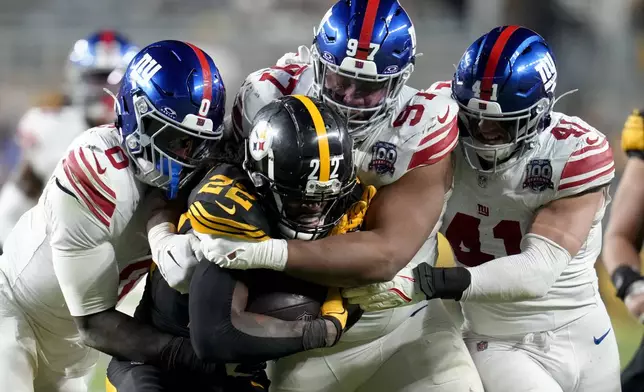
527, 275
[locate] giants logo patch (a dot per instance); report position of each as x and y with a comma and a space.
538, 175
383, 158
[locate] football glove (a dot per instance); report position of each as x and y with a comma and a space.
352, 220
334, 310
243, 254
176, 255
302, 57
633, 133
402, 290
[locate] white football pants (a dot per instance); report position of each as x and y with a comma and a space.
33, 359
425, 353
579, 357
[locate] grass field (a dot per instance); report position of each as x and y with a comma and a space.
627, 330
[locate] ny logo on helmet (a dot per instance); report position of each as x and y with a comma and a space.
548, 72
145, 69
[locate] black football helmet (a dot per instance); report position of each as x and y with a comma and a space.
299, 156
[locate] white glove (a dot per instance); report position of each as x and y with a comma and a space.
176, 255
243, 254
302, 57
634, 300
401, 291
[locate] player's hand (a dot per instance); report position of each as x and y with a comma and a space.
634, 300
243, 254
302, 57
176, 255
334, 309
352, 220
401, 291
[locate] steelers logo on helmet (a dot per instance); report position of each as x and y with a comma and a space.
260, 140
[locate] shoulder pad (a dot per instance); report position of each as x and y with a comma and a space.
585, 155
443, 88
264, 86
428, 126
224, 204
633, 134
93, 173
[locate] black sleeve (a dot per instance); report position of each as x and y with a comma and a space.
222, 331
635, 154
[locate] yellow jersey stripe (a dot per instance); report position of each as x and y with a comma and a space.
198, 209
203, 226
323, 140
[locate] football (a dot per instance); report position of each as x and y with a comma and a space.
278, 295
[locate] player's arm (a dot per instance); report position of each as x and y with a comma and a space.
556, 235
398, 222
623, 237
80, 207
222, 330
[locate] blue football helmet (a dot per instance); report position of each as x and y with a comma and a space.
97, 62
505, 87
170, 111
363, 54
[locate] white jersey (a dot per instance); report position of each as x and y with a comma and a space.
488, 215
421, 131
84, 244
45, 133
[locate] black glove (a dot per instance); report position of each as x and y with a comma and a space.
178, 354
623, 277
446, 283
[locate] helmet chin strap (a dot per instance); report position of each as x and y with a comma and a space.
174, 176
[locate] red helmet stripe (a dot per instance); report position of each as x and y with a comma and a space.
493, 61
107, 36
367, 29
206, 74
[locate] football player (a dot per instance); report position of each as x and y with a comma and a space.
275, 196
69, 259
531, 188
623, 240
45, 132
362, 56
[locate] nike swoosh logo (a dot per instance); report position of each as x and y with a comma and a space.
229, 210
100, 169
601, 338
442, 119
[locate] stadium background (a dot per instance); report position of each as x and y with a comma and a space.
598, 44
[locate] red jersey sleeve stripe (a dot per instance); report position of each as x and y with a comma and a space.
94, 199
75, 184
609, 172
589, 161
131, 274
108, 191
441, 143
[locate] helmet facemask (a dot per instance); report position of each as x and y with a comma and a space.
302, 214
363, 100
166, 152
493, 140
